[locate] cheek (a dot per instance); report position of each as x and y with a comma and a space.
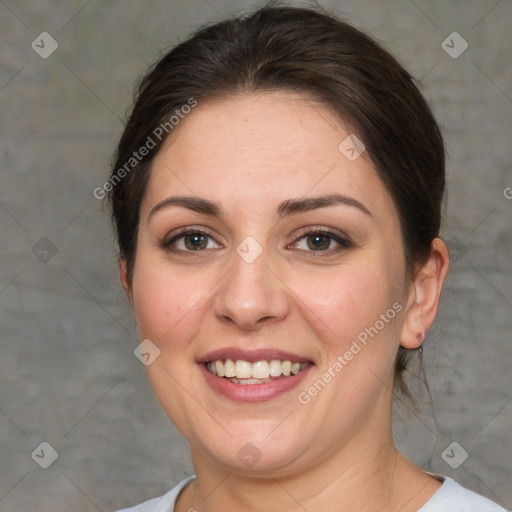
169, 307
348, 301
355, 313
167, 303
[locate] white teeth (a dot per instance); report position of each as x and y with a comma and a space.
275, 368
243, 369
229, 368
220, 368
260, 370
254, 373
250, 381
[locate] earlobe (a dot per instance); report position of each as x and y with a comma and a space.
425, 294
125, 281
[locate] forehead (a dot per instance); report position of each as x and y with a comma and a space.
261, 149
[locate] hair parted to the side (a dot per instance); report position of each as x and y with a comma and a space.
312, 53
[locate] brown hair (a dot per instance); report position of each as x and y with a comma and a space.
312, 53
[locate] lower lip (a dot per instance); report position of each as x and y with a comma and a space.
253, 392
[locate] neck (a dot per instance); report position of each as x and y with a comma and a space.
378, 478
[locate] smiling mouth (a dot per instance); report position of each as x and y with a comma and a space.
259, 372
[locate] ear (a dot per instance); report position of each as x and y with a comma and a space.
424, 295
125, 281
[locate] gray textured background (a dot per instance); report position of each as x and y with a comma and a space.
67, 371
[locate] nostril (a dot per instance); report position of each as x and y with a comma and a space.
250, 301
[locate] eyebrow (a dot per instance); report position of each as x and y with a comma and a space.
307, 204
285, 209
196, 204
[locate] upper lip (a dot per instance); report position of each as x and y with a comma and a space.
252, 356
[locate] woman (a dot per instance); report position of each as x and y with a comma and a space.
276, 196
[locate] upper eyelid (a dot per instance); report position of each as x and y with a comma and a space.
322, 230
186, 231
304, 231
168, 244
307, 231
339, 236
341, 239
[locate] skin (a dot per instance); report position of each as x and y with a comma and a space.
248, 154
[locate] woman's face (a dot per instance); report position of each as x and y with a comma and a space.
265, 240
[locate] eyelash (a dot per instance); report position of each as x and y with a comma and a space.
167, 243
344, 243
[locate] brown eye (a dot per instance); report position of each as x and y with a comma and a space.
190, 240
319, 242
195, 241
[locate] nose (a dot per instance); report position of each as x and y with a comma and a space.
251, 294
